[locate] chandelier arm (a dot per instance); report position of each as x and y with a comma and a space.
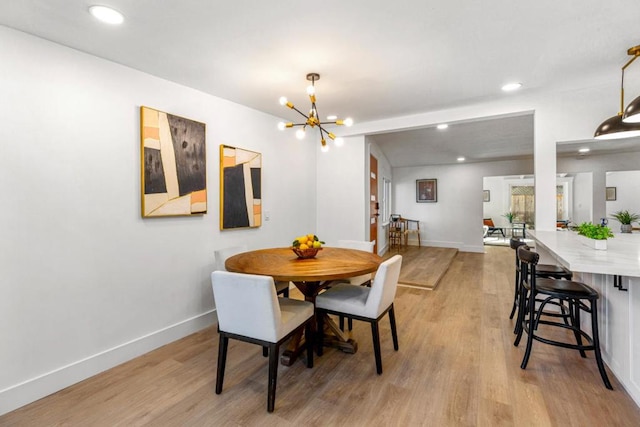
299, 112
622, 83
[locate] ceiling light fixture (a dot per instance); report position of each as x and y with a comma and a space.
632, 112
106, 14
583, 150
442, 126
510, 87
622, 125
312, 119
460, 159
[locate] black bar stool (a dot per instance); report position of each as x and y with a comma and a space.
578, 296
550, 271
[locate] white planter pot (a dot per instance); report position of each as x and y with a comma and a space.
594, 244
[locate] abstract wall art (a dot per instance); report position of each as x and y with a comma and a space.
240, 188
174, 172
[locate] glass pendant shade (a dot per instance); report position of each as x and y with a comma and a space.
632, 112
614, 128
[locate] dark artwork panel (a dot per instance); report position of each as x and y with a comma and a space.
188, 139
154, 181
235, 208
256, 183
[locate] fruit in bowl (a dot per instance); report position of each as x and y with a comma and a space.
306, 246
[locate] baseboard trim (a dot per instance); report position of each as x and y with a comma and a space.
21, 394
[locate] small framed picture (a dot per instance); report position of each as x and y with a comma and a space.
426, 190
611, 194
486, 195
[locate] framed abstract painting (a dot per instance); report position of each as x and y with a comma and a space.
426, 190
240, 188
173, 165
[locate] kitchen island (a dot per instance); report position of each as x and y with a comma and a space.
615, 274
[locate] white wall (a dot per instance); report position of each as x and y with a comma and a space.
455, 220
599, 165
495, 207
582, 198
627, 185
342, 192
85, 283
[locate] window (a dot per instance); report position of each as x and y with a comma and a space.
523, 203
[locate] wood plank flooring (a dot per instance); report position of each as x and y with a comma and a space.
457, 366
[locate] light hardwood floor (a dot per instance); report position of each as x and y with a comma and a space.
457, 366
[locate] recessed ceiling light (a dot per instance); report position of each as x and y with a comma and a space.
460, 159
106, 14
583, 150
442, 126
332, 117
510, 87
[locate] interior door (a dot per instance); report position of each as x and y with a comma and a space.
373, 204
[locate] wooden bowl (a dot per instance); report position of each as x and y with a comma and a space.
305, 253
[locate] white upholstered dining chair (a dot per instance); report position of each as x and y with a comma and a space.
249, 310
221, 256
365, 304
361, 245
363, 279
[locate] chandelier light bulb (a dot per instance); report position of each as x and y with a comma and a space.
283, 100
339, 142
282, 125
300, 133
324, 148
348, 122
311, 90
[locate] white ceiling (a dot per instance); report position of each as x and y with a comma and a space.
376, 59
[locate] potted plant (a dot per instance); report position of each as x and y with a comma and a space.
509, 215
596, 235
625, 219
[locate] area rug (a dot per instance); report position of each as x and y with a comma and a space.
423, 267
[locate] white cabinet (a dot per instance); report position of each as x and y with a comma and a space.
619, 324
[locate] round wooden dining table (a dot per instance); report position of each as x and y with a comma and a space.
310, 276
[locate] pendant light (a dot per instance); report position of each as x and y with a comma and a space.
626, 123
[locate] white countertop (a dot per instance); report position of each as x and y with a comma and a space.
622, 256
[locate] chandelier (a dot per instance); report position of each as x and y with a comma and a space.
313, 119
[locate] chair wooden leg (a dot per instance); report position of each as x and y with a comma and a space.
575, 307
320, 332
376, 346
596, 344
273, 377
530, 331
522, 309
515, 295
394, 332
222, 360
309, 339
